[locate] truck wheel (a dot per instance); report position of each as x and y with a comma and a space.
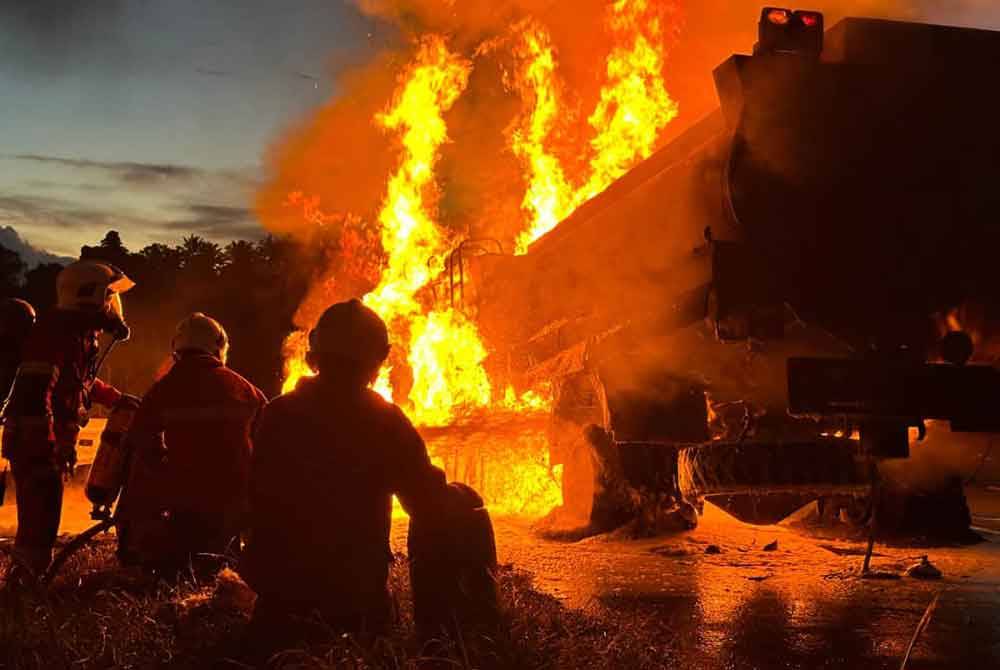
821, 467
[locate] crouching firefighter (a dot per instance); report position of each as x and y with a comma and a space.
54, 388
327, 459
185, 499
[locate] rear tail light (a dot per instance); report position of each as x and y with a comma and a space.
779, 17
790, 32
810, 19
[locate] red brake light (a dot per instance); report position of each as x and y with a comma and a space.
780, 17
809, 20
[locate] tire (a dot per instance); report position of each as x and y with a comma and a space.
823, 467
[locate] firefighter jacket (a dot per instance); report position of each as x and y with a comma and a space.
10, 361
326, 463
54, 388
191, 445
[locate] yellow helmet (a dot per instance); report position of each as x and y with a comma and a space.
203, 334
93, 286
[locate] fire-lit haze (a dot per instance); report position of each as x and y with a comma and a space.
398, 128
489, 121
444, 353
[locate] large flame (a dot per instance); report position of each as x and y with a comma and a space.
635, 105
445, 352
429, 87
438, 350
548, 195
446, 356
411, 239
633, 109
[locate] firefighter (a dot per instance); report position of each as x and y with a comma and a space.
17, 318
327, 459
54, 388
186, 496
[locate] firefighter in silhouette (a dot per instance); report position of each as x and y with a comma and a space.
327, 459
17, 318
185, 501
53, 390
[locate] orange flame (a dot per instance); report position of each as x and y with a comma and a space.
548, 197
429, 87
446, 356
441, 347
295, 348
633, 109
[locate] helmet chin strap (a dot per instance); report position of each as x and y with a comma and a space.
117, 328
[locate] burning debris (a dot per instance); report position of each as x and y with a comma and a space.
441, 369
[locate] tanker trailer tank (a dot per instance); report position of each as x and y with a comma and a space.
833, 207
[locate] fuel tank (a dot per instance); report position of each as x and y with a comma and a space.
829, 205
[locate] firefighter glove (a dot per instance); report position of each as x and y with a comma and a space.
126, 402
66, 459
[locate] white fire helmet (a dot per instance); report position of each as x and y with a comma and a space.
92, 286
203, 334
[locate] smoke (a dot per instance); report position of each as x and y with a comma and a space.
468, 20
340, 159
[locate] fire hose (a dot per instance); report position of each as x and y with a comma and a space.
75, 545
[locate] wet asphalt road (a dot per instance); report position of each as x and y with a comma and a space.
799, 606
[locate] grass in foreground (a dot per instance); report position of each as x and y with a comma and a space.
98, 615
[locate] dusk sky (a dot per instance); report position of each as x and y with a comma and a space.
152, 116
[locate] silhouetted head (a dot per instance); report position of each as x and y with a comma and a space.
349, 343
17, 317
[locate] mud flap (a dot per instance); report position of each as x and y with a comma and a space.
762, 510
740, 474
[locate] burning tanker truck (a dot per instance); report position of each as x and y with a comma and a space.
755, 315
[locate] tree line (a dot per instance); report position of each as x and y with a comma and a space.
252, 287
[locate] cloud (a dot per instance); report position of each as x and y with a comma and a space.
127, 171
49, 185
211, 72
12, 240
217, 221
54, 212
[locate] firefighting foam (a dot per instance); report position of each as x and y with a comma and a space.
439, 366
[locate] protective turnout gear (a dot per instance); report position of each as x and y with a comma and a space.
200, 333
186, 492
327, 459
17, 318
91, 286
54, 389
352, 331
